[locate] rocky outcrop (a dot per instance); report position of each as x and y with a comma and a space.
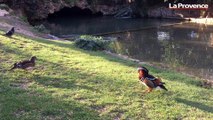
126, 12
165, 12
3, 12
40, 9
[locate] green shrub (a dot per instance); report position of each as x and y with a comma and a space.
41, 28
4, 7
87, 42
24, 18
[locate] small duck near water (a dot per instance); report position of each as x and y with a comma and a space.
150, 81
10, 32
25, 64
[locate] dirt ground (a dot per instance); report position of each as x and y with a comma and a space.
7, 21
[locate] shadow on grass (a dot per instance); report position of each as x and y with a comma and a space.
41, 103
196, 105
11, 50
181, 78
18, 104
75, 78
9, 55
59, 82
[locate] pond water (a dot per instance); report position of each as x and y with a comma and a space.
99, 25
185, 47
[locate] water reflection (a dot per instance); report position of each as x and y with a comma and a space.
186, 47
96, 25
211, 40
163, 35
193, 35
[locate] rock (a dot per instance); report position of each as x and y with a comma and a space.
3, 12
163, 12
40, 9
49, 36
126, 12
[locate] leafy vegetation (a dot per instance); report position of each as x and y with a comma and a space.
24, 18
4, 7
87, 42
41, 28
70, 83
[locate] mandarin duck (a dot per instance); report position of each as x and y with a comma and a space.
10, 32
150, 81
25, 64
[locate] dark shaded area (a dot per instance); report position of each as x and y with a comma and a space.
106, 2
196, 105
157, 2
99, 25
190, 1
39, 9
47, 106
74, 12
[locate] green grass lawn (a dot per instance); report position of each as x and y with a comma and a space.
69, 83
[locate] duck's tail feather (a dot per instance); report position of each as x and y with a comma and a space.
163, 87
14, 66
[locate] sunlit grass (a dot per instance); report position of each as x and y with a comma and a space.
69, 83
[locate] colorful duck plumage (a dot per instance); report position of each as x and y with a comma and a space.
150, 81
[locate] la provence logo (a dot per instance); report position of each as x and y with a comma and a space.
188, 6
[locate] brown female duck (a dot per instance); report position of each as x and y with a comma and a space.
25, 64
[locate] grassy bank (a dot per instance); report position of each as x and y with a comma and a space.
69, 83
